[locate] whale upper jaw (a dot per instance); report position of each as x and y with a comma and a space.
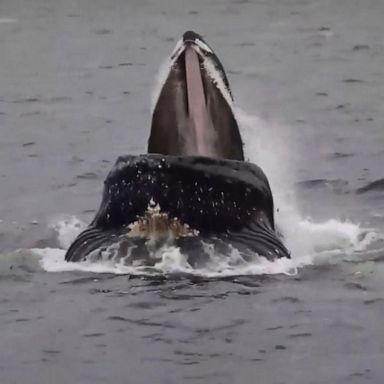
193, 113
209, 61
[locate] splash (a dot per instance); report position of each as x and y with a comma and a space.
170, 261
310, 242
67, 228
274, 148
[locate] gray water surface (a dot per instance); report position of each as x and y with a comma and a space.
75, 85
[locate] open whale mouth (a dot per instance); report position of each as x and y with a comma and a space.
193, 114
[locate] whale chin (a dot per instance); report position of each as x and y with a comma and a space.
193, 187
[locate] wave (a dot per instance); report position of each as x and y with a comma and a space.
374, 186
337, 186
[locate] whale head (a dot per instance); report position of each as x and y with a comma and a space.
193, 187
193, 114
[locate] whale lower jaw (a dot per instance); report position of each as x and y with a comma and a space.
176, 199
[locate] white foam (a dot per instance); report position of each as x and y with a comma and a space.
310, 243
67, 228
171, 261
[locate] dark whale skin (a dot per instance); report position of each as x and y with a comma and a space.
219, 198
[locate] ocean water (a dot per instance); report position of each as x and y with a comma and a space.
76, 81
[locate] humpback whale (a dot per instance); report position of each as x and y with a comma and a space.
193, 186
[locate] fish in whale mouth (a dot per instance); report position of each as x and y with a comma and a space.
193, 185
